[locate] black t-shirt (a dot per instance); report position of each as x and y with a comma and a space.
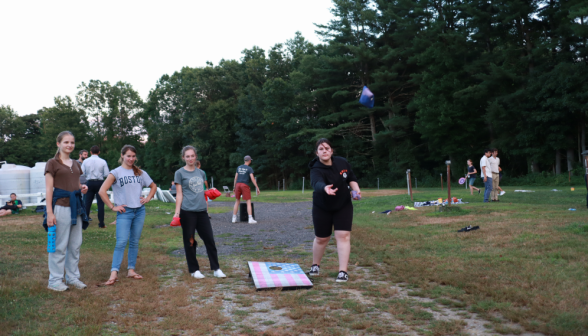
471, 170
339, 174
243, 172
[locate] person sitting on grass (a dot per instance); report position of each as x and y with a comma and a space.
472, 176
12, 207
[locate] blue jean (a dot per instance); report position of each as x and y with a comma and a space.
488, 190
129, 226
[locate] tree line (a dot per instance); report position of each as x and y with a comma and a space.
450, 78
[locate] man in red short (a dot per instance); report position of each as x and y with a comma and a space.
243, 176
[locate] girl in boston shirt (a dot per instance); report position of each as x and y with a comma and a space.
127, 183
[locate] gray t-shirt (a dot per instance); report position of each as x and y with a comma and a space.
192, 183
127, 187
244, 171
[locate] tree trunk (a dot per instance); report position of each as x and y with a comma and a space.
570, 158
583, 134
373, 126
557, 162
535, 167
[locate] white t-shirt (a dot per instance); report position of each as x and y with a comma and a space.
127, 187
494, 163
484, 163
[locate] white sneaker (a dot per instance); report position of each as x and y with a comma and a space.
198, 275
252, 221
502, 193
78, 284
234, 218
219, 274
58, 287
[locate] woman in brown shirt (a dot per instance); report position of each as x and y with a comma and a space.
63, 174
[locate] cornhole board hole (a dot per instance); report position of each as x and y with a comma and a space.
270, 275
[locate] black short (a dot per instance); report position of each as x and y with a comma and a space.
325, 220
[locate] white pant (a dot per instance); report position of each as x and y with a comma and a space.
68, 240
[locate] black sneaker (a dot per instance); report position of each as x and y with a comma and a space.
479, 191
342, 277
314, 270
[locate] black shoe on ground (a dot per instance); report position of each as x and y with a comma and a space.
89, 219
342, 277
102, 226
314, 270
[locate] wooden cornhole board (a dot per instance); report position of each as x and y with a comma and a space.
270, 275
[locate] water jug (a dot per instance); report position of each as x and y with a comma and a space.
51, 231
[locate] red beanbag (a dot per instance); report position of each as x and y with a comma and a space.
175, 222
212, 193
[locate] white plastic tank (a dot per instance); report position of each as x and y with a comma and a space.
15, 179
37, 180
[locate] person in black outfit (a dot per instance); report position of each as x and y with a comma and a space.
331, 176
95, 170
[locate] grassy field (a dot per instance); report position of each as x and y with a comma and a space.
524, 270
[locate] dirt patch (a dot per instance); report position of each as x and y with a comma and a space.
20, 220
279, 226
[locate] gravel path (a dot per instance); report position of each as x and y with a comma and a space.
279, 225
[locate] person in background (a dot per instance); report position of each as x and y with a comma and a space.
83, 155
191, 209
494, 162
502, 192
95, 170
243, 176
173, 189
472, 176
198, 165
486, 174
12, 207
127, 182
65, 210
331, 177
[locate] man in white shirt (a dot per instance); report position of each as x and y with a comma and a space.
486, 174
95, 170
495, 168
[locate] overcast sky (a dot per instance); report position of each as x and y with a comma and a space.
49, 47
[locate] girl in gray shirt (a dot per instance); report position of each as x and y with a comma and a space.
191, 209
127, 183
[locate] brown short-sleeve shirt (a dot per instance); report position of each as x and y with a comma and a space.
64, 177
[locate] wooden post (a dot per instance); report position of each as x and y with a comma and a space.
441, 181
303, 184
409, 184
448, 163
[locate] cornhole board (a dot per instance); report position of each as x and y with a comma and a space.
270, 275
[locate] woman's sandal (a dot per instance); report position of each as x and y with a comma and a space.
110, 282
135, 276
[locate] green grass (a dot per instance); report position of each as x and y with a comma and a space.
530, 253
526, 265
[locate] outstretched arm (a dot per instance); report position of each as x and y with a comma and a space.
254, 182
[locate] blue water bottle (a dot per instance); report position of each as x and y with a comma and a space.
51, 239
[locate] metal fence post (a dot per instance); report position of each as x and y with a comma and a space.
303, 184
